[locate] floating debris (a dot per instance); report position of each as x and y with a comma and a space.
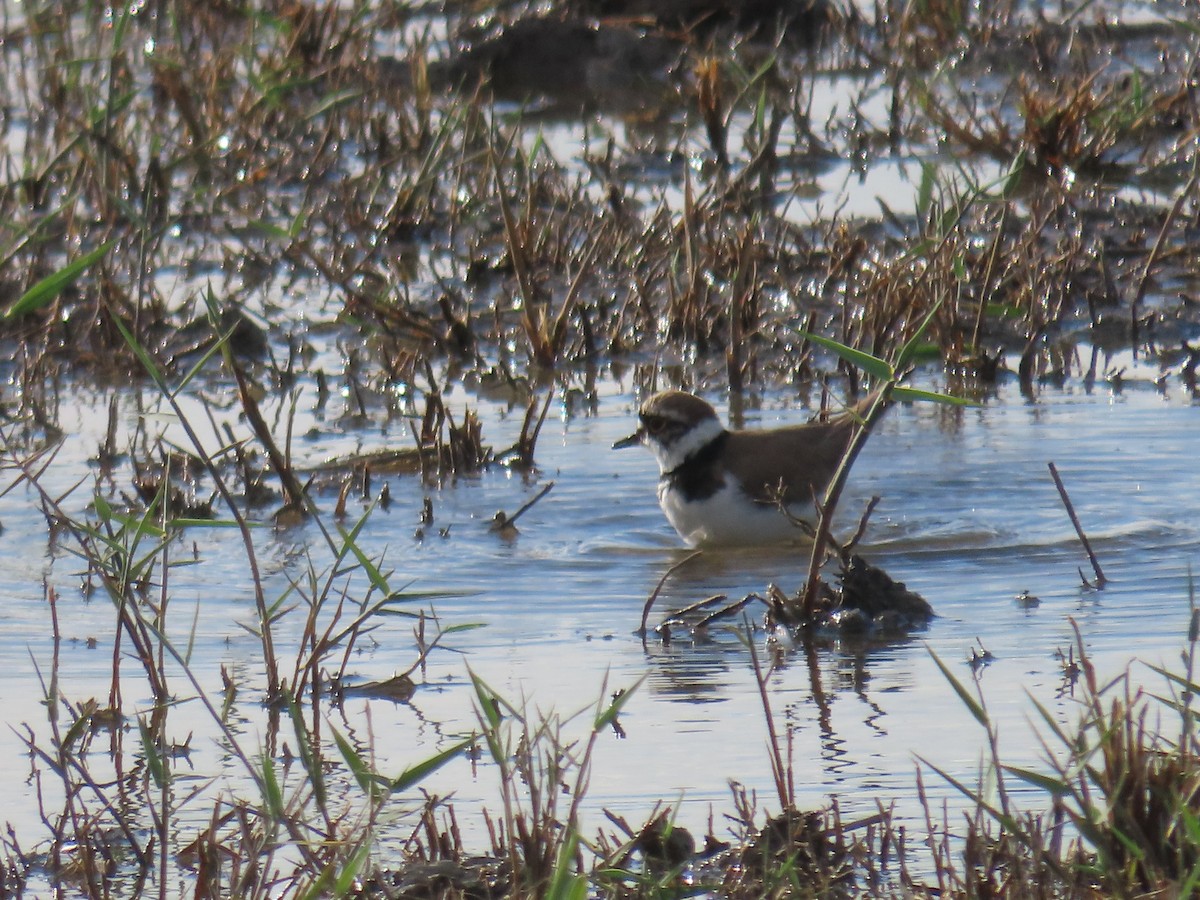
502, 523
980, 657
664, 844
867, 602
1026, 600
569, 62
477, 877
398, 688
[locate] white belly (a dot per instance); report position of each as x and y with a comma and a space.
730, 518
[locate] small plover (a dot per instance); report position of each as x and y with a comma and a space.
720, 487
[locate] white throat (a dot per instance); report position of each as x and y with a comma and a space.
699, 435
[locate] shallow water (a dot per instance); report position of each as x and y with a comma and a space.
969, 518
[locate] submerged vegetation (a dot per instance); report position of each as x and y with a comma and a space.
247, 212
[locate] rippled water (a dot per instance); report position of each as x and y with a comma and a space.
969, 518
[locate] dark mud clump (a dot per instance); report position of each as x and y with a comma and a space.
866, 602
472, 878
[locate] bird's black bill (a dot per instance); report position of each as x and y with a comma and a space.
632, 441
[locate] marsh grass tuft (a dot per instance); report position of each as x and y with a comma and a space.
1122, 793
112, 828
539, 769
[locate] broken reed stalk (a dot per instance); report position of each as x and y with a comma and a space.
293, 490
848, 548
781, 772
1156, 250
725, 611
1062, 492
833, 495
529, 432
892, 374
503, 520
658, 589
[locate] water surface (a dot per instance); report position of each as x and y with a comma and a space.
969, 518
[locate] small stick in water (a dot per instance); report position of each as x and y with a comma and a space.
1062, 492
641, 632
503, 523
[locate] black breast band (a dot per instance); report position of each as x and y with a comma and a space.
699, 477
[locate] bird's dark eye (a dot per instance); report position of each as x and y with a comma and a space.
654, 424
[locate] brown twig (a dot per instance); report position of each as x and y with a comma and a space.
503, 520
821, 539
699, 605
658, 587
847, 548
1062, 492
1156, 250
726, 611
780, 771
293, 490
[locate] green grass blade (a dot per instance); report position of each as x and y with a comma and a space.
970, 702
333, 101
374, 575
103, 508
1008, 822
909, 351
138, 525
51, 286
1052, 723
1086, 823
218, 346
348, 877
154, 758
607, 716
489, 701
185, 522
414, 774
925, 190
371, 783
311, 759
564, 883
1187, 685
350, 543
270, 229
874, 366
72, 735
272, 790
143, 357
917, 395
340, 877
1054, 786
403, 595
463, 626
488, 705
1192, 826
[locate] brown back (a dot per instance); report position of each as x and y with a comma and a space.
801, 457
